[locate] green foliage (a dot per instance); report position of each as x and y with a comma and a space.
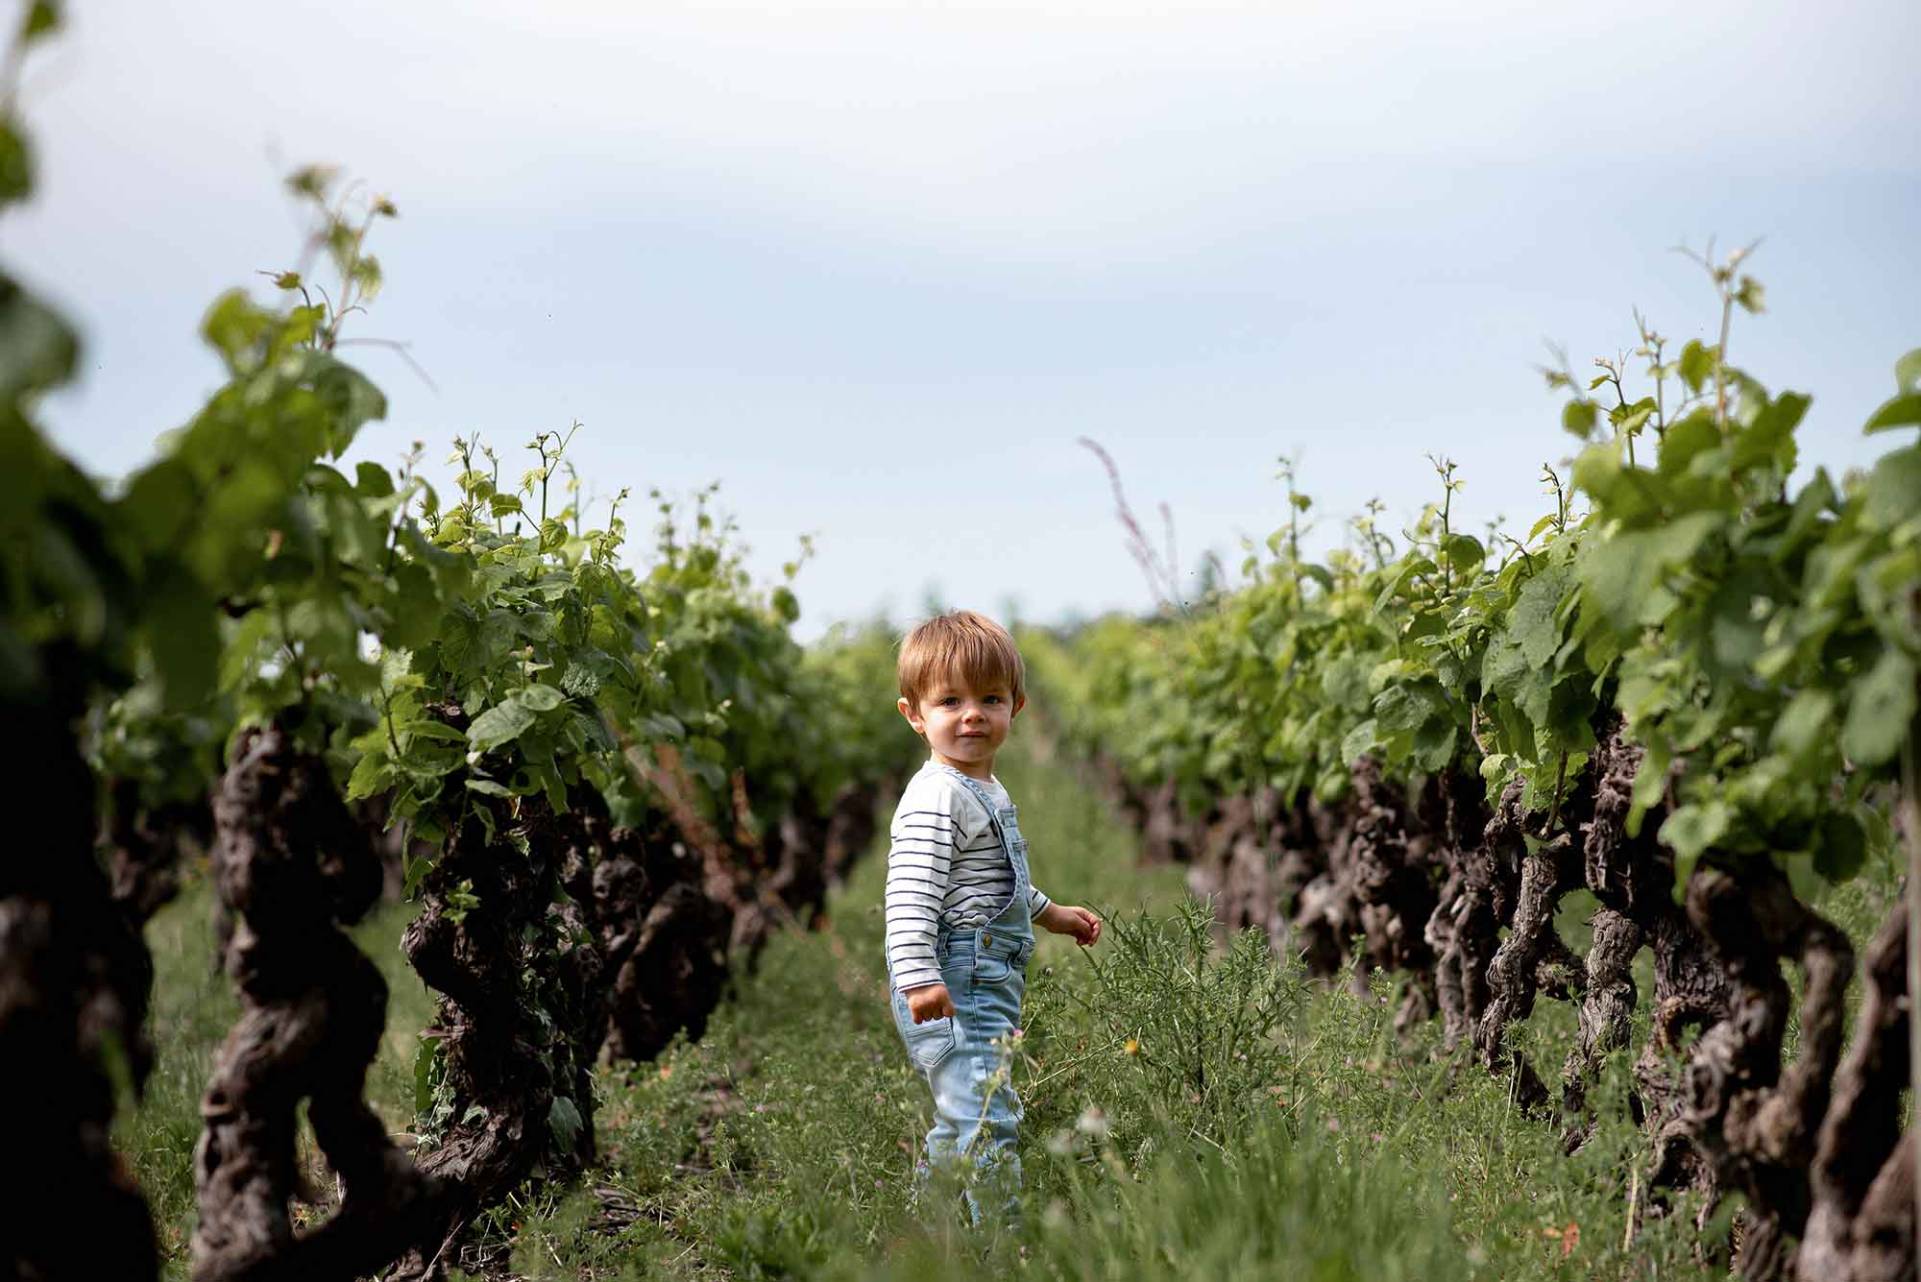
1733, 619
449, 659
850, 680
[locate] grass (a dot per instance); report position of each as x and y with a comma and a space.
1192, 1111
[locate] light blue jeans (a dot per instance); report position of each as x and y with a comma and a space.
968, 1060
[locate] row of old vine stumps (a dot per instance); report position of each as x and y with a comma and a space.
550, 938
1424, 885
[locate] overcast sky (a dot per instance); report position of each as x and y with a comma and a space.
876, 267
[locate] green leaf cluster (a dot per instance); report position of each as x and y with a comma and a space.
1760, 638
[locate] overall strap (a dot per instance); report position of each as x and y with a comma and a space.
1013, 848
987, 802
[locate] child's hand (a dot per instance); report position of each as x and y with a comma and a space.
929, 1001
1083, 925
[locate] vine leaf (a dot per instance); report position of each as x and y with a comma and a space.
1880, 711
502, 723
1622, 576
1903, 411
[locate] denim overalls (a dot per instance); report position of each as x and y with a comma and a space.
966, 1059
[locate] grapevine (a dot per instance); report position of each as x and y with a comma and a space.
603, 785
1637, 700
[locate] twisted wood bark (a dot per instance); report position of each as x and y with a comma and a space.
1756, 1124
518, 1020
1327, 912
1377, 883
1237, 852
1533, 958
1301, 835
797, 858
74, 982
1691, 993
1633, 877
664, 940
1477, 893
292, 867
142, 846
1168, 833
1617, 877
851, 824
1395, 885
1860, 1225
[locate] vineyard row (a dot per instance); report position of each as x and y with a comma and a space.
1690, 691
602, 787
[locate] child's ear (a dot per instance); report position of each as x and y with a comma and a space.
1020, 701
912, 714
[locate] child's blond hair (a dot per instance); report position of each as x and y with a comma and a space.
960, 644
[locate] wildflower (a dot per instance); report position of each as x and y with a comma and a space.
1132, 1046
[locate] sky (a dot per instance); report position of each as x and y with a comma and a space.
875, 268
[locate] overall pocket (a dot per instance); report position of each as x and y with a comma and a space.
927, 1044
993, 968
1002, 959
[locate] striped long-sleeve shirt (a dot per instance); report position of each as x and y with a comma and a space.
945, 863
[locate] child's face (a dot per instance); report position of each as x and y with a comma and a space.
963, 726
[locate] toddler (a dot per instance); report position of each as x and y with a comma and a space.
960, 907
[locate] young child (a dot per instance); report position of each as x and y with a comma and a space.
960, 906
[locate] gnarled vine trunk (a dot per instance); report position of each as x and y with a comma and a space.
663, 937
851, 824
74, 982
1327, 913
1533, 958
1618, 877
142, 847
1168, 833
1690, 996
1300, 834
1251, 854
1477, 893
1632, 875
1860, 1225
1390, 857
517, 1021
292, 868
1754, 1122
1377, 883
1243, 856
